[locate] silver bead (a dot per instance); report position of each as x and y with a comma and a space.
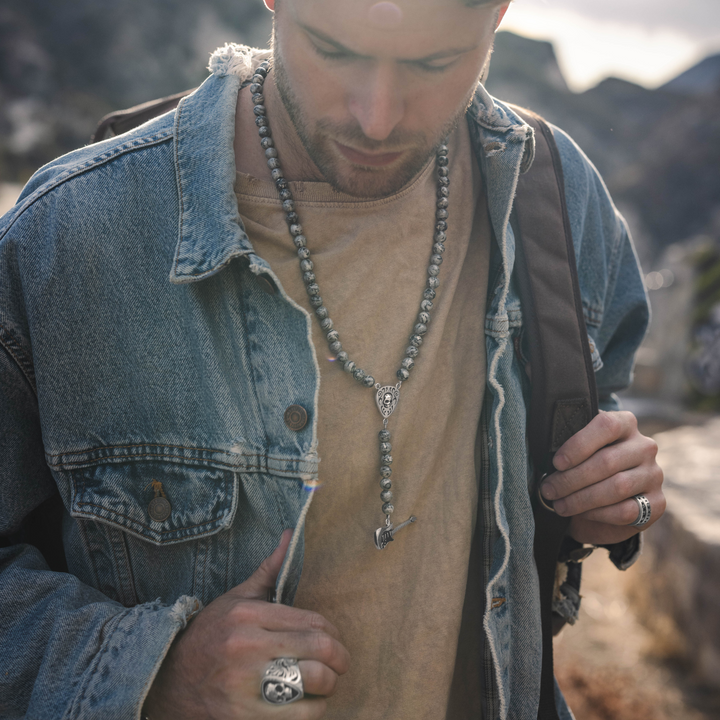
336, 347
433, 282
436, 259
385, 447
416, 340
303, 252
332, 336
424, 317
433, 270
385, 471
342, 357
369, 381
386, 459
403, 374
385, 484
306, 265
296, 229
388, 508
300, 241
412, 351
321, 312
309, 277
316, 300
384, 436
386, 495
326, 324
420, 329
349, 366
408, 363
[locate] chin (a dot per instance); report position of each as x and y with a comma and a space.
369, 182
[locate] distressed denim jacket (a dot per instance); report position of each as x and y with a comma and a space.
146, 351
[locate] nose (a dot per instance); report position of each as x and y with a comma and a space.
377, 102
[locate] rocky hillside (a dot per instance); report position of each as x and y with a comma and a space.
659, 150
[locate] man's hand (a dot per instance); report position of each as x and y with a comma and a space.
215, 666
600, 469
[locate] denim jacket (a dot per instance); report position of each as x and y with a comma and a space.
147, 351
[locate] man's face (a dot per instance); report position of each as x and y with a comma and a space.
372, 88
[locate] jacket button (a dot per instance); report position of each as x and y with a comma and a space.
159, 509
267, 284
296, 417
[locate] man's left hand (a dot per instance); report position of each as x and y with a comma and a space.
599, 470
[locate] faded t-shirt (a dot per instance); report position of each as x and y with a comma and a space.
398, 610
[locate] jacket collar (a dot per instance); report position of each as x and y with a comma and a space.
211, 233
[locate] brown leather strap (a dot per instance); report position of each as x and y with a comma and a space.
563, 395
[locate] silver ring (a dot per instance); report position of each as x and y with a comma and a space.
282, 682
644, 511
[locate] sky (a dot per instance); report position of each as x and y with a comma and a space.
646, 41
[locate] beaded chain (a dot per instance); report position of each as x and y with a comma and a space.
386, 396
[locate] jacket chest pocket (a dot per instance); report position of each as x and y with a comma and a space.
150, 529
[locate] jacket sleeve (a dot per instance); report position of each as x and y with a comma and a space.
68, 651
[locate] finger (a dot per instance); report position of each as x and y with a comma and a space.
612, 490
256, 587
603, 429
626, 512
318, 679
635, 451
276, 617
309, 708
310, 646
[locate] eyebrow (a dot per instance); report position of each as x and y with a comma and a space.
342, 48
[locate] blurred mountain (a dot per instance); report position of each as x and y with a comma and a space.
703, 79
658, 150
66, 63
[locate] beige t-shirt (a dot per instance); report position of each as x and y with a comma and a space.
398, 610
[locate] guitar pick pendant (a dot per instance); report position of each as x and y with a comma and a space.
387, 397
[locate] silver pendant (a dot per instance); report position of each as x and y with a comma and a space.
387, 397
384, 535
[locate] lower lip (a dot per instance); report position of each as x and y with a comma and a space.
359, 158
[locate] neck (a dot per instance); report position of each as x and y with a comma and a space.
249, 158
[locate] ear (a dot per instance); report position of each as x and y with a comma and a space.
270, 5
503, 10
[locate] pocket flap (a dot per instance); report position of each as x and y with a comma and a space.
159, 502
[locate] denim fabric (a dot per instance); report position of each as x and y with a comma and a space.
142, 348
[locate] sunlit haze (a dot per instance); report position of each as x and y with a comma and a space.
646, 41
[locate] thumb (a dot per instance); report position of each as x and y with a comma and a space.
256, 587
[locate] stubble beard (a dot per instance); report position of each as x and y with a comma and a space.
355, 180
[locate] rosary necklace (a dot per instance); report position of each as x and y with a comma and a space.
386, 396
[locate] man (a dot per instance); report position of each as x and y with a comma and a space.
182, 418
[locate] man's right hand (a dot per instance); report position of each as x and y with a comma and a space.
215, 666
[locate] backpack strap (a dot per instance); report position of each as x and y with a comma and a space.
121, 121
563, 392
